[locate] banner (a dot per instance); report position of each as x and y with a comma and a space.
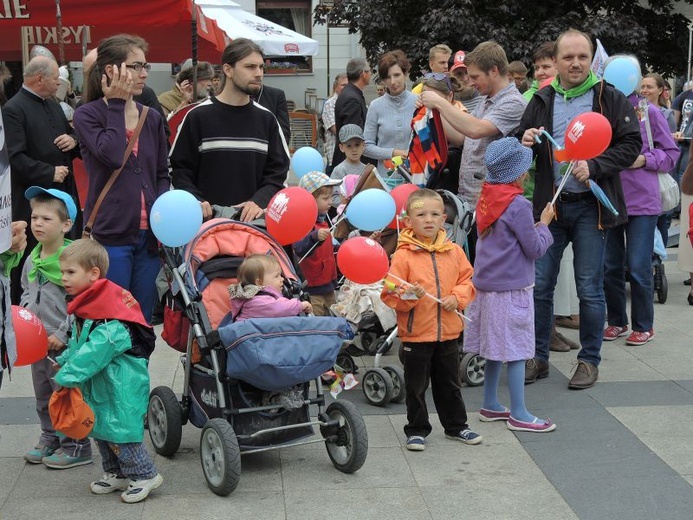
599, 60
5, 193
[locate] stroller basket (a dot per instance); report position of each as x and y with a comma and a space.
276, 353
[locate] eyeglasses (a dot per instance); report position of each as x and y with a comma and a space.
440, 76
137, 66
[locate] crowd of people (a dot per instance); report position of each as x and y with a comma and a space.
88, 268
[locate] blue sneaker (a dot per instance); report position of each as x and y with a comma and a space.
36, 455
60, 460
416, 443
467, 436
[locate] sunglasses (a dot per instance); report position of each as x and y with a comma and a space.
440, 76
137, 66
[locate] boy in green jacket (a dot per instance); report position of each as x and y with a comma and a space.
110, 370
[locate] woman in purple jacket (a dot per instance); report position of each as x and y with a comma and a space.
631, 244
104, 126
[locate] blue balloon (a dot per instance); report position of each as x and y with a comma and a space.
371, 210
623, 72
307, 159
176, 218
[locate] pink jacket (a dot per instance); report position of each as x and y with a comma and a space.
252, 301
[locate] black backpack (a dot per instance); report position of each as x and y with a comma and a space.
143, 340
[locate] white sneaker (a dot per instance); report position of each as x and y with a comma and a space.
138, 490
109, 483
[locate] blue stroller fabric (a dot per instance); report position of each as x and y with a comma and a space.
276, 353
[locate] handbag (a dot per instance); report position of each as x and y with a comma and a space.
86, 232
668, 188
70, 414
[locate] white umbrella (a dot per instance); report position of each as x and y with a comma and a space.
274, 39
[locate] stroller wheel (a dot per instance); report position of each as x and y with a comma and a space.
220, 456
164, 421
396, 373
370, 342
377, 386
472, 369
346, 362
349, 449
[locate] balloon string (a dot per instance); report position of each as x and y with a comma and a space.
404, 282
563, 181
341, 217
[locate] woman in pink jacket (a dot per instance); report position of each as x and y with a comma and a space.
258, 293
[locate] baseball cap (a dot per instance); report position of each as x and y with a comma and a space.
351, 131
458, 61
506, 160
315, 180
33, 191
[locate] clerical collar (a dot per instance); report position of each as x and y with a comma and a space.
31, 92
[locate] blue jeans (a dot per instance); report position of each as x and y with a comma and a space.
630, 245
134, 268
577, 223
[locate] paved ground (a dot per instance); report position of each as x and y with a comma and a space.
622, 449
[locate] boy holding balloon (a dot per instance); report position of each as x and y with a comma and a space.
52, 215
316, 250
437, 285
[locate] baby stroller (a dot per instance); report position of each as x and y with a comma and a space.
247, 384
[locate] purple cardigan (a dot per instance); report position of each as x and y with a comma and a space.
505, 255
640, 185
101, 132
272, 305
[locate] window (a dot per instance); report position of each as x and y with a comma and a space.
294, 15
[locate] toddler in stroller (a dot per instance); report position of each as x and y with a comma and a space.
231, 367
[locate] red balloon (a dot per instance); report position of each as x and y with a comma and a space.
587, 136
401, 195
561, 155
291, 215
32, 341
362, 260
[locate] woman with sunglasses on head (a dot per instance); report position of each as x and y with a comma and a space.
387, 129
111, 126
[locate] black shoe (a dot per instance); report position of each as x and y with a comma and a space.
690, 299
687, 282
535, 369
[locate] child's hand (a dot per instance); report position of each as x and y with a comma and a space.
449, 303
54, 343
323, 234
375, 236
417, 290
547, 215
306, 307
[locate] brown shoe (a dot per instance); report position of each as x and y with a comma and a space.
569, 322
556, 344
535, 369
567, 341
584, 377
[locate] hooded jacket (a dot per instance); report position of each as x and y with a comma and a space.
605, 169
442, 269
254, 301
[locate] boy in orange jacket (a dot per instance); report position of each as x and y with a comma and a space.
430, 263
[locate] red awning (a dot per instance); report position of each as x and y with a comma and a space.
165, 24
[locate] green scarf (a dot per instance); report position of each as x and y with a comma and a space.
49, 267
578, 91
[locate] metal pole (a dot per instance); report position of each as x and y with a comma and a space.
690, 47
329, 93
193, 29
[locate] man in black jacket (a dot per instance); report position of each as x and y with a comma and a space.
579, 217
350, 107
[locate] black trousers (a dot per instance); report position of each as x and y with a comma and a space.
439, 363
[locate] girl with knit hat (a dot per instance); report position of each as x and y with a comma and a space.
502, 315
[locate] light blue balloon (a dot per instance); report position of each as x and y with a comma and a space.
371, 210
307, 159
176, 218
623, 72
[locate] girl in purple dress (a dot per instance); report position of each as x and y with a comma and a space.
502, 315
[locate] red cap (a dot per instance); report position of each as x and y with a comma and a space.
458, 61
